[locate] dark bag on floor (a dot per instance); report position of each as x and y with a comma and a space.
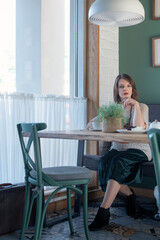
11, 207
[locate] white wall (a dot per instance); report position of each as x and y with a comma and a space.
109, 62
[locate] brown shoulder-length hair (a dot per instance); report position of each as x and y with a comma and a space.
128, 79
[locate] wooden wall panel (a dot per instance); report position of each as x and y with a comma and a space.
92, 73
92, 81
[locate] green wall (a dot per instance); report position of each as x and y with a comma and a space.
135, 49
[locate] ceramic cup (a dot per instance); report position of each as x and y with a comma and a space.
97, 125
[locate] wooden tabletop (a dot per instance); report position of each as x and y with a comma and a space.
96, 136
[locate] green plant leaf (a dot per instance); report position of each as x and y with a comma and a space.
115, 110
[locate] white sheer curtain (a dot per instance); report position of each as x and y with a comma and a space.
60, 113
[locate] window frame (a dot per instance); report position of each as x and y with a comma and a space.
77, 48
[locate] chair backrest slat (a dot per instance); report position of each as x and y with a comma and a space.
31, 163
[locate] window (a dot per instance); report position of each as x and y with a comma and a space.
41, 52
7, 46
42, 46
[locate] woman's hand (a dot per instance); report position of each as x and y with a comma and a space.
137, 119
129, 102
89, 125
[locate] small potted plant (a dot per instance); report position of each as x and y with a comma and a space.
112, 115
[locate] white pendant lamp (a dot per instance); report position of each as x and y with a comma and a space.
118, 13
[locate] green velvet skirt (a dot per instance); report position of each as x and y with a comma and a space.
125, 167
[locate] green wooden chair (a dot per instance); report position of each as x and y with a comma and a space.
61, 177
154, 139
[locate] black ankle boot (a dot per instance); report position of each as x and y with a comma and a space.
131, 205
101, 219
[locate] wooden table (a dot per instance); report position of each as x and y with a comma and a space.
96, 136
83, 135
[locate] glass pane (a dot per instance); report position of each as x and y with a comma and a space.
7, 46
55, 46
35, 46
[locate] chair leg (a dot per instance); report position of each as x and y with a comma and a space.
85, 210
69, 210
26, 209
42, 222
39, 202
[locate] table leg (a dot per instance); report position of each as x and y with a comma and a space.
80, 154
77, 203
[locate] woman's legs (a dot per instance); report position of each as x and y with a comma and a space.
131, 200
115, 165
113, 188
103, 214
125, 190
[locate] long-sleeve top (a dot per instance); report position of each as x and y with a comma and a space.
142, 146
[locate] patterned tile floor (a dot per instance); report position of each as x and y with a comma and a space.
121, 227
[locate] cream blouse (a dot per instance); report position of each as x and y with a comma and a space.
142, 146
